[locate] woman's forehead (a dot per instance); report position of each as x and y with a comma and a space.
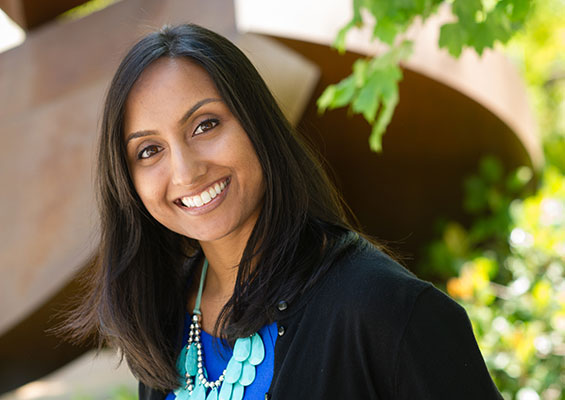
164, 89
167, 73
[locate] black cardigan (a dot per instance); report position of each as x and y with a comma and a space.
371, 330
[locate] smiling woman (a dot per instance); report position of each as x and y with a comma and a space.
191, 162
227, 267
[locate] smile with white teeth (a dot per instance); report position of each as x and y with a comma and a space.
205, 197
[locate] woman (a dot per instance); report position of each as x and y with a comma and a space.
217, 221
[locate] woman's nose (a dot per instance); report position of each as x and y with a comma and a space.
186, 167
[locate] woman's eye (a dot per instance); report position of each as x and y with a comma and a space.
148, 152
205, 126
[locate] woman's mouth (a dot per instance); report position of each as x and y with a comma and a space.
206, 196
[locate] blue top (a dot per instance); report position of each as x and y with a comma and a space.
217, 355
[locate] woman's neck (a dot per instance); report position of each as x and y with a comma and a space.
224, 256
223, 264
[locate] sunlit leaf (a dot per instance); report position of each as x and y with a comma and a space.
386, 30
344, 92
466, 10
326, 99
368, 100
389, 102
453, 38
360, 72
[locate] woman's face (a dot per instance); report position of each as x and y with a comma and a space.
191, 162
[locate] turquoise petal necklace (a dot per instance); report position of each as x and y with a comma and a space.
248, 352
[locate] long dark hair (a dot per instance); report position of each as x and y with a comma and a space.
136, 295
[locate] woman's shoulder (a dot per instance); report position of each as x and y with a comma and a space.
367, 275
370, 287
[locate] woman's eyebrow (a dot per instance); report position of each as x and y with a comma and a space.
185, 117
195, 107
135, 135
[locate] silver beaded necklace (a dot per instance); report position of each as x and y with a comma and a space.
248, 352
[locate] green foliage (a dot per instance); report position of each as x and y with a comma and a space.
508, 271
373, 85
540, 52
507, 268
479, 26
488, 196
372, 88
392, 18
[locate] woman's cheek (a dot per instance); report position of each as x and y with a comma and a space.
150, 185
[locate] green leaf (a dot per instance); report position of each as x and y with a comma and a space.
360, 67
344, 92
381, 85
390, 100
326, 99
337, 95
377, 8
404, 50
386, 30
452, 37
367, 100
518, 9
499, 25
339, 42
390, 76
427, 7
482, 37
356, 21
375, 139
466, 10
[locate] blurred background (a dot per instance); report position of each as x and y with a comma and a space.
442, 121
